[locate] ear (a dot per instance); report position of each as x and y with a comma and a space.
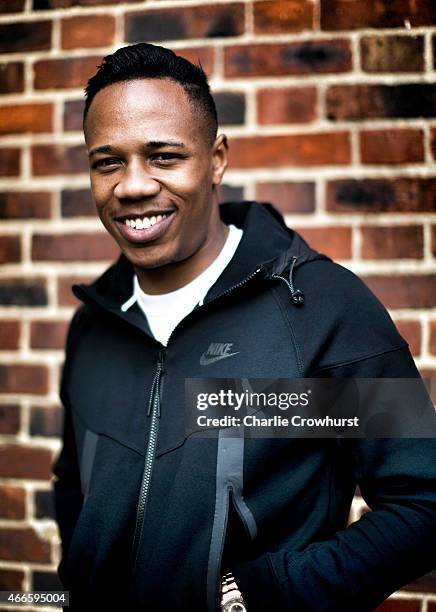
219, 158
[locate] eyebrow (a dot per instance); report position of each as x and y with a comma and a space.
151, 144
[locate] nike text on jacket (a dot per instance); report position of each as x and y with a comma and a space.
149, 518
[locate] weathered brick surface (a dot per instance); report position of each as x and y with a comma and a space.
393, 146
382, 195
298, 197
287, 105
353, 14
205, 21
25, 36
426, 584
392, 53
48, 334
10, 249
46, 421
77, 203
42, 5
11, 77
58, 159
411, 332
12, 502
280, 16
433, 337
396, 242
403, 291
230, 108
10, 161
332, 241
9, 418
399, 605
22, 118
9, 335
359, 102
328, 148
65, 73
23, 544
23, 378
25, 205
44, 504
74, 247
23, 292
17, 461
65, 295
11, 580
12, 6
87, 31
205, 56
279, 59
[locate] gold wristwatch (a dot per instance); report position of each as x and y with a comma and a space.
231, 596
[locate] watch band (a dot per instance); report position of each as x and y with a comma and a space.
231, 596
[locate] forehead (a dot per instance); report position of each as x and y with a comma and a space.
145, 109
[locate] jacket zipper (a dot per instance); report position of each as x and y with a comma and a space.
153, 411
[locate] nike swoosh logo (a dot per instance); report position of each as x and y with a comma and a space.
204, 360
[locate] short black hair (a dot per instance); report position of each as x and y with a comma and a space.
146, 61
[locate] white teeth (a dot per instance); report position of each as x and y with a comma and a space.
145, 222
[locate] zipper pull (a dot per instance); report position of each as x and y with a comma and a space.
297, 296
154, 397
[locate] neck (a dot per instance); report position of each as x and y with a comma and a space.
176, 275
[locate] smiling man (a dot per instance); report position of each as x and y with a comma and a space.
152, 518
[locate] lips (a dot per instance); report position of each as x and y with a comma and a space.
138, 236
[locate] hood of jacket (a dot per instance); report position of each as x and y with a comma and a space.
267, 247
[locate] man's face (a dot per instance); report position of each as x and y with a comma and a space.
153, 170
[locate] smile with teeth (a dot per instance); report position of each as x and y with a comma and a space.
145, 222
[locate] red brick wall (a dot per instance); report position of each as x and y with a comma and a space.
330, 107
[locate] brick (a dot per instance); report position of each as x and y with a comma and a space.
12, 502
44, 504
230, 108
354, 14
382, 195
411, 332
392, 53
23, 378
12, 6
9, 418
48, 334
9, 335
46, 581
10, 161
381, 101
52, 159
46, 421
396, 242
26, 118
399, 605
425, 584
431, 607
230, 193
65, 73
25, 205
205, 56
23, 545
74, 247
392, 146
287, 105
281, 16
42, 5
288, 197
25, 36
432, 343
281, 59
433, 142
433, 240
11, 77
332, 241
205, 21
23, 292
11, 580
403, 290
87, 31
330, 148
28, 462
10, 249
65, 296
73, 115
77, 203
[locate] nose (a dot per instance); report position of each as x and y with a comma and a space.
136, 183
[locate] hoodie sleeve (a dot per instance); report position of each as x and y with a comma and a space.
387, 548
67, 488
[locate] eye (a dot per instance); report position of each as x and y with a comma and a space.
166, 159
105, 163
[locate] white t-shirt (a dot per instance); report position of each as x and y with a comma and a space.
166, 310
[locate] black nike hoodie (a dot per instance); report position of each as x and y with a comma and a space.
150, 517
